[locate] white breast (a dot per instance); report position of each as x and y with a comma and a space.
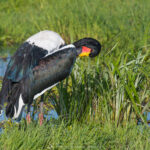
47, 40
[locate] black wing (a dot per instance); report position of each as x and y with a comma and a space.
25, 58
51, 70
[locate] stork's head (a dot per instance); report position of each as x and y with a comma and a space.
87, 47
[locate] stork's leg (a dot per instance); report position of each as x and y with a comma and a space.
28, 118
41, 118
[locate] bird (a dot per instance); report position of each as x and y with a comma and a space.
39, 64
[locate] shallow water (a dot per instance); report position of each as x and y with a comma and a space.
3, 65
47, 116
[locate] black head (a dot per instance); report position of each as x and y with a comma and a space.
87, 47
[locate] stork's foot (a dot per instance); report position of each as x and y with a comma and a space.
28, 118
41, 118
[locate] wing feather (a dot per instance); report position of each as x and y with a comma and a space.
25, 58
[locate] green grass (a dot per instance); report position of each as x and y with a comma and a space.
113, 22
76, 136
113, 89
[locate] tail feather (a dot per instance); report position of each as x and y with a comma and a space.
13, 99
4, 94
9, 94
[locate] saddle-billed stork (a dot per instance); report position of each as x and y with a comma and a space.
40, 63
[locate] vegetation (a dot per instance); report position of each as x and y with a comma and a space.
103, 97
75, 136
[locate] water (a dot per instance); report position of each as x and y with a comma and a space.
50, 114
3, 65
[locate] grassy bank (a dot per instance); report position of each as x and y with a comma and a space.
75, 136
112, 89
